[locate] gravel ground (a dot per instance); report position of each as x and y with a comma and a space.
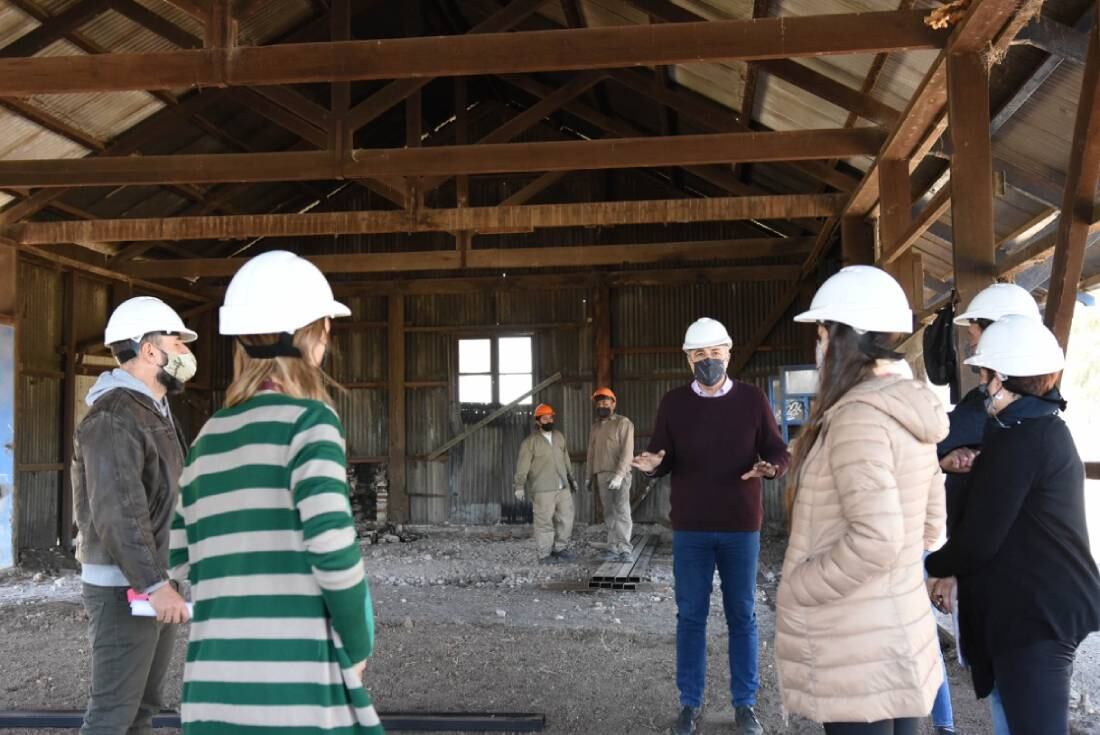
468, 622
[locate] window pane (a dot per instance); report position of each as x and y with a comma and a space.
514, 386
475, 389
515, 354
474, 356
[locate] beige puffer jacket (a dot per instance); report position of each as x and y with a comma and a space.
855, 637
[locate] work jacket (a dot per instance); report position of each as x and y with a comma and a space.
543, 468
610, 447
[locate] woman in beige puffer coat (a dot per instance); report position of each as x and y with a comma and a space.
856, 644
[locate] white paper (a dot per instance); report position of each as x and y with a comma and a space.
144, 609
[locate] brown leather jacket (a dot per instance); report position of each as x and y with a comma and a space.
127, 461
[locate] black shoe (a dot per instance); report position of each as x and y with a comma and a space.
551, 559
688, 721
625, 557
565, 555
747, 724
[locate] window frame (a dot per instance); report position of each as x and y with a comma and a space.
495, 374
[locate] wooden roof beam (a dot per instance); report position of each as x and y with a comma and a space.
1080, 196
476, 219
684, 150
55, 28
714, 117
509, 259
473, 54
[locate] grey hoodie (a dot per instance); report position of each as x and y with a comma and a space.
119, 378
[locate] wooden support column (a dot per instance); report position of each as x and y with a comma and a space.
857, 241
1077, 202
9, 423
68, 411
974, 247
220, 29
414, 113
398, 492
894, 220
339, 131
603, 335
463, 238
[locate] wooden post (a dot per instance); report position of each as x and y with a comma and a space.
895, 218
603, 335
68, 411
463, 238
857, 241
398, 492
974, 246
221, 29
414, 111
1077, 202
9, 307
340, 133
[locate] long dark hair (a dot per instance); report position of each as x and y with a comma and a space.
849, 360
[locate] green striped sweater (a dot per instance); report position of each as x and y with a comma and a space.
266, 537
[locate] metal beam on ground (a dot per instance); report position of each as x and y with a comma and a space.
394, 721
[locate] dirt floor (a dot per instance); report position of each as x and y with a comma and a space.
467, 621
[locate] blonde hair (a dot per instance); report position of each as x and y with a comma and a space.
295, 376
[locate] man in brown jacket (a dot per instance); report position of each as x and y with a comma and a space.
545, 471
127, 460
610, 452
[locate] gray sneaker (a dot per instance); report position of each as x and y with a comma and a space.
610, 556
747, 724
625, 557
565, 555
688, 721
551, 559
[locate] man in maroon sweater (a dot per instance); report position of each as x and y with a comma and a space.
717, 438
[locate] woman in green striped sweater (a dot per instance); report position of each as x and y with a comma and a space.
264, 532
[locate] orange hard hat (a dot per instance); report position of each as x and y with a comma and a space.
604, 393
544, 409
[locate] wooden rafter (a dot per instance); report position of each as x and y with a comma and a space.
684, 150
478, 219
511, 258
473, 54
922, 122
1079, 199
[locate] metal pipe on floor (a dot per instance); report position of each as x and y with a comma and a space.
393, 722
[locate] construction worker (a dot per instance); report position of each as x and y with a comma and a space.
610, 451
960, 449
127, 459
545, 472
717, 437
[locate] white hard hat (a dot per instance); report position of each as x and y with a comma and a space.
865, 298
1018, 346
277, 292
142, 315
999, 300
706, 332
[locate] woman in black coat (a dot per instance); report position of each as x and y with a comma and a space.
1028, 588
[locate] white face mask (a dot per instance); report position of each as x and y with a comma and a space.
181, 366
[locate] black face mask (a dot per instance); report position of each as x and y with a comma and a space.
709, 372
603, 412
547, 427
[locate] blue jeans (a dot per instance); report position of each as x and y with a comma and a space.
695, 556
997, 711
942, 714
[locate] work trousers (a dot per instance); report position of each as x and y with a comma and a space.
616, 513
553, 521
130, 656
